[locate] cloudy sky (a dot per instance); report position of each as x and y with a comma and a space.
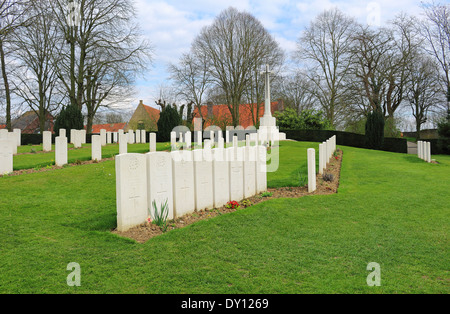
172, 25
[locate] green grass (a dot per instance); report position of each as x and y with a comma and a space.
41, 159
390, 208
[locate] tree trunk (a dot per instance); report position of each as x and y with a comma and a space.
7, 90
418, 125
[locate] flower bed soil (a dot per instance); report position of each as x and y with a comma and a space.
146, 231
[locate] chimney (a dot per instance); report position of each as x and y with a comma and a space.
141, 102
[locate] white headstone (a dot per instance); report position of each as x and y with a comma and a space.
138, 136
159, 180
123, 143
72, 135
152, 141
419, 149
83, 136
211, 137
261, 169
108, 137
183, 182
199, 139
428, 150
236, 170
249, 171
3, 134
47, 141
103, 136
424, 150
131, 139
203, 180
76, 138
235, 141
321, 159
18, 134
115, 137
131, 190
13, 138
62, 133
60, 151
6, 155
221, 180
188, 139
311, 170
143, 137
221, 143
173, 140
96, 147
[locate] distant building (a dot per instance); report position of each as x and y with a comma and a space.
28, 123
144, 118
220, 115
109, 127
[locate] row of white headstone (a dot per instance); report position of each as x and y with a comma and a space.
9, 141
188, 180
215, 137
424, 150
326, 150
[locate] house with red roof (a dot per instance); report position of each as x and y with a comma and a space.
144, 118
220, 115
109, 127
28, 123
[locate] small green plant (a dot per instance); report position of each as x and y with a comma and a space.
246, 203
233, 205
33, 151
266, 194
328, 177
160, 215
77, 162
303, 179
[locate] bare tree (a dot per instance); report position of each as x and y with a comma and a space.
11, 18
36, 52
105, 52
191, 79
380, 67
325, 46
235, 45
297, 91
436, 30
424, 90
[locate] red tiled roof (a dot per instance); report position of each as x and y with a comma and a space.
152, 112
246, 113
109, 127
2, 126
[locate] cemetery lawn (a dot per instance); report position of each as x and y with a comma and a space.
26, 159
392, 209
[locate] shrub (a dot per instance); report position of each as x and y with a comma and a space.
69, 118
307, 119
168, 119
444, 134
328, 177
375, 129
